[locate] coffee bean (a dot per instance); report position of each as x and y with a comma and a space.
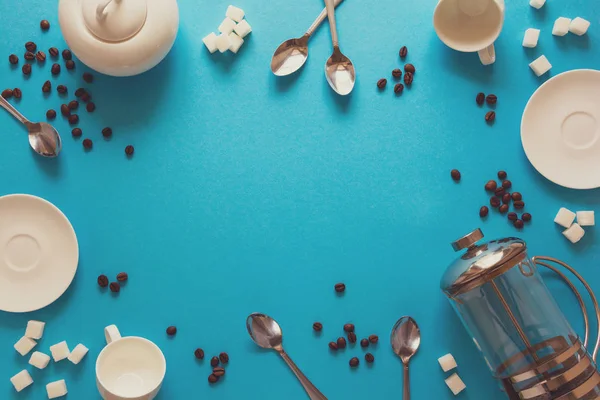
115, 287
341, 343
333, 346
455, 174
212, 378
50, 114
199, 354
364, 342
506, 184
47, 87
40, 56
214, 361
502, 175
373, 339
352, 337
67, 55
381, 83
409, 68
30, 46
76, 132
87, 144
503, 208
480, 98
90, 107
526, 217
55, 69
397, 73
408, 78
499, 192
494, 202
70, 64
122, 276
65, 111
317, 326
53, 52
107, 132
349, 328
506, 198
129, 150
518, 224
62, 89
73, 119
519, 204
103, 281
13, 59
26, 69
516, 196
79, 92
512, 216
86, 97
87, 77
17, 93
483, 211
73, 105
398, 88
218, 371
45, 25
491, 99
171, 330
490, 186
490, 116
403, 51
340, 287
354, 362
29, 56
7, 93
369, 358
224, 357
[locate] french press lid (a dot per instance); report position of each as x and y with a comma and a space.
481, 262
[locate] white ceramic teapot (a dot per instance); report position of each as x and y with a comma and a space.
119, 37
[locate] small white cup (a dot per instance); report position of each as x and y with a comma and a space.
470, 26
129, 368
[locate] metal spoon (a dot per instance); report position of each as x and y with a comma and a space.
338, 68
266, 333
43, 138
406, 338
292, 54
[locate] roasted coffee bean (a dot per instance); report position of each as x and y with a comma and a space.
76, 132
506, 184
349, 328
115, 287
87, 77
7, 93
519, 204
512, 216
47, 87
70, 64
397, 73
199, 354
224, 357
87, 144
107, 132
398, 88
480, 98
516, 196
491, 99
364, 342
409, 68
351, 337
103, 281
86, 97
506, 198
490, 186
381, 83
494, 202
483, 211
17, 93
50, 114
354, 361
369, 358
490, 116
212, 378
171, 330
90, 107
79, 92
45, 25
55, 69
373, 339
408, 78
317, 326
403, 51
62, 89
340, 287
67, 55
341, 343
333, 345
53, 52
129, 150
73, 119
122, 276
13, 59
30, 46
502, 175
503, 208
455, 174
214, 361
526, 217
518, 224
26, 69
29, 56
218, 371
64, 110
40, 56
73, 105
500, 192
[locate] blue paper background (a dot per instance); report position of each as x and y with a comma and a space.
250, 193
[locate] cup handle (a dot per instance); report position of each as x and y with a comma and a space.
487, 55
112, 334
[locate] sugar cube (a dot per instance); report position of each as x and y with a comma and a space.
60, 351
35, 329
565, 217
223, 42
585, 218
24, 345
531, 37
21, 380
447, 362
78, 353
235, 13
236, 42
574, 233
540, 65
243, 29
39, 360
227, 26
579, 26
56, 389
537, 3
561, 26
455, 384
210, 41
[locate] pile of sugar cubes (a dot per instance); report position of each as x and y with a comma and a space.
574, 231
233, 30
562, 26
59, 352
454, 383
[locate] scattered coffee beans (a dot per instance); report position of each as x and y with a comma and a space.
349, 328
73, 119
318, 327
17, 93
26, 69
491, 99
526, 217
518, 224
87, 144
62, 89
494, 202
199, 354
86, 97
503, 208
506, 184
502, 175
408, 78
214, 361
490, 116
76, 132
218, 371
403, 52
397, 73
369, 358
70, 64
115, 287
381, 83
506, 198
65, 111
40, 56
53, 52
45, 25
122, 276
512, 216
352, 337
480, 98
519, 204
129, 150
500, 192
73, 105
333, 346
90, 107
7, 93
107, 132
224, 357
171, 330
79, 92
354, 362
373, 339
212, 378
455, 174
50, 114
491, 186
516, 196
341, 343
30, 46
67, 55
55, 69
103, 281
29, 56
364, 342
13, 59
483, 211
47, 87
87, 77
340, 287
398, 88
409, 68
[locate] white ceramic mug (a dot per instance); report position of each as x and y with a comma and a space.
129, 368
470, 25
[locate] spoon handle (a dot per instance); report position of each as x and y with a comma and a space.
312, 391
331, 15
320, 19
406, 385
8, 107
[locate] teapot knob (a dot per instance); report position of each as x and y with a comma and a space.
468, 240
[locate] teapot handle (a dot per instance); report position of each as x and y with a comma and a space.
536, 260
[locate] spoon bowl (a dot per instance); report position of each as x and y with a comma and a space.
290, 56
340, 73
406, 338
44, 139
265, 331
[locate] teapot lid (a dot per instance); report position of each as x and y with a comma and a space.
481, 262
114, 20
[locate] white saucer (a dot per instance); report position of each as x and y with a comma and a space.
560, 129
38, 253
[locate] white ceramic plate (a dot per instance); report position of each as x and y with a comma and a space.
38, 253
560, 129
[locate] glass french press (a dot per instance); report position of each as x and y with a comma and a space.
506, 307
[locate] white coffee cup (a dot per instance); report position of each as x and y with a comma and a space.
129, 368
470, 26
